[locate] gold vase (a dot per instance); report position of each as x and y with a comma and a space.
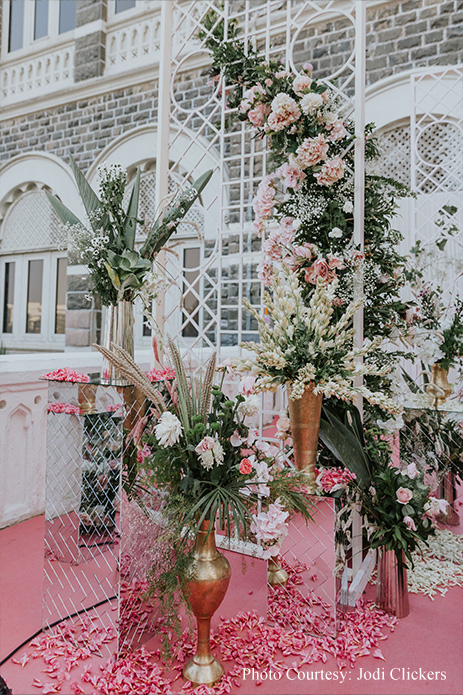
439, 387
276, 575
304, 414
448, 492
205, 593
118, 330
391, 585
86, 396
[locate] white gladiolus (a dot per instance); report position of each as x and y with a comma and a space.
168, 429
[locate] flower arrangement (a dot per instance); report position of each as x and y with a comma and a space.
396, 507
435, 319
331, 480
107, 245
302, 345
66, 374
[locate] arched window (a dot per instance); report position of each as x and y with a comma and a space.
32, 273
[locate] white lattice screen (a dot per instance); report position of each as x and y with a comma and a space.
437, 172
30, 224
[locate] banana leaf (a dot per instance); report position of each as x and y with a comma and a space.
89, 198
132, 212
344, 445
161, 231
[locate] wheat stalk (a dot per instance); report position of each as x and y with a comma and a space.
206, 386
124, 363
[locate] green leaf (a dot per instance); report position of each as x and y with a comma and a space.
113, 276
346, 448
62, 211
89, 198
132, 212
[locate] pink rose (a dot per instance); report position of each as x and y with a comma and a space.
312, 151
256, 115
331, 171
334, 262
319, 270
412, 470
206, 444
404, 495
410, 523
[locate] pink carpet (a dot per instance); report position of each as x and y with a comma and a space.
430, 638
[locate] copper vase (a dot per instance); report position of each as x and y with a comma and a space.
205, 593
391, 585
448, 492
439, 387
304, 414
276, 575
118, 330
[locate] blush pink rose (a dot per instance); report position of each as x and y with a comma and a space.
256, 115
410, 523
404, 495
300, 83
312, 151
291, 174
284, 112
331, 171
319, 270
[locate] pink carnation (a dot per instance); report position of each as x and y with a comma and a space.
245, 466
291, 174
404, 495
331, 171
338, 131
59, 407
284, 112
333, 479
167, 374
312, 151
65, 374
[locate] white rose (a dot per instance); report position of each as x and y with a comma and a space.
348, 207
335, 233
168, 429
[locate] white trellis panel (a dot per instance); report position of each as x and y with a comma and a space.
204, 309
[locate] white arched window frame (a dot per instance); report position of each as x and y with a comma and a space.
137, 148
30, 250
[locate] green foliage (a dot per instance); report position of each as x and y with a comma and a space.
387, 514
118, 270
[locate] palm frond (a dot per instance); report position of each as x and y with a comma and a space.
184, 395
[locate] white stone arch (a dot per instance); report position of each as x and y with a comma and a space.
137, 145
43, 170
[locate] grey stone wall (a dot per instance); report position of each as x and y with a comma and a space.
402, 34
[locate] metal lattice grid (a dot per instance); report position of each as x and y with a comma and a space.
308, 602
83, 483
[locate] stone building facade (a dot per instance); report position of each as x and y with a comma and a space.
92, 89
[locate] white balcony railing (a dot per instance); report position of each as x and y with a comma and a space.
37, 75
